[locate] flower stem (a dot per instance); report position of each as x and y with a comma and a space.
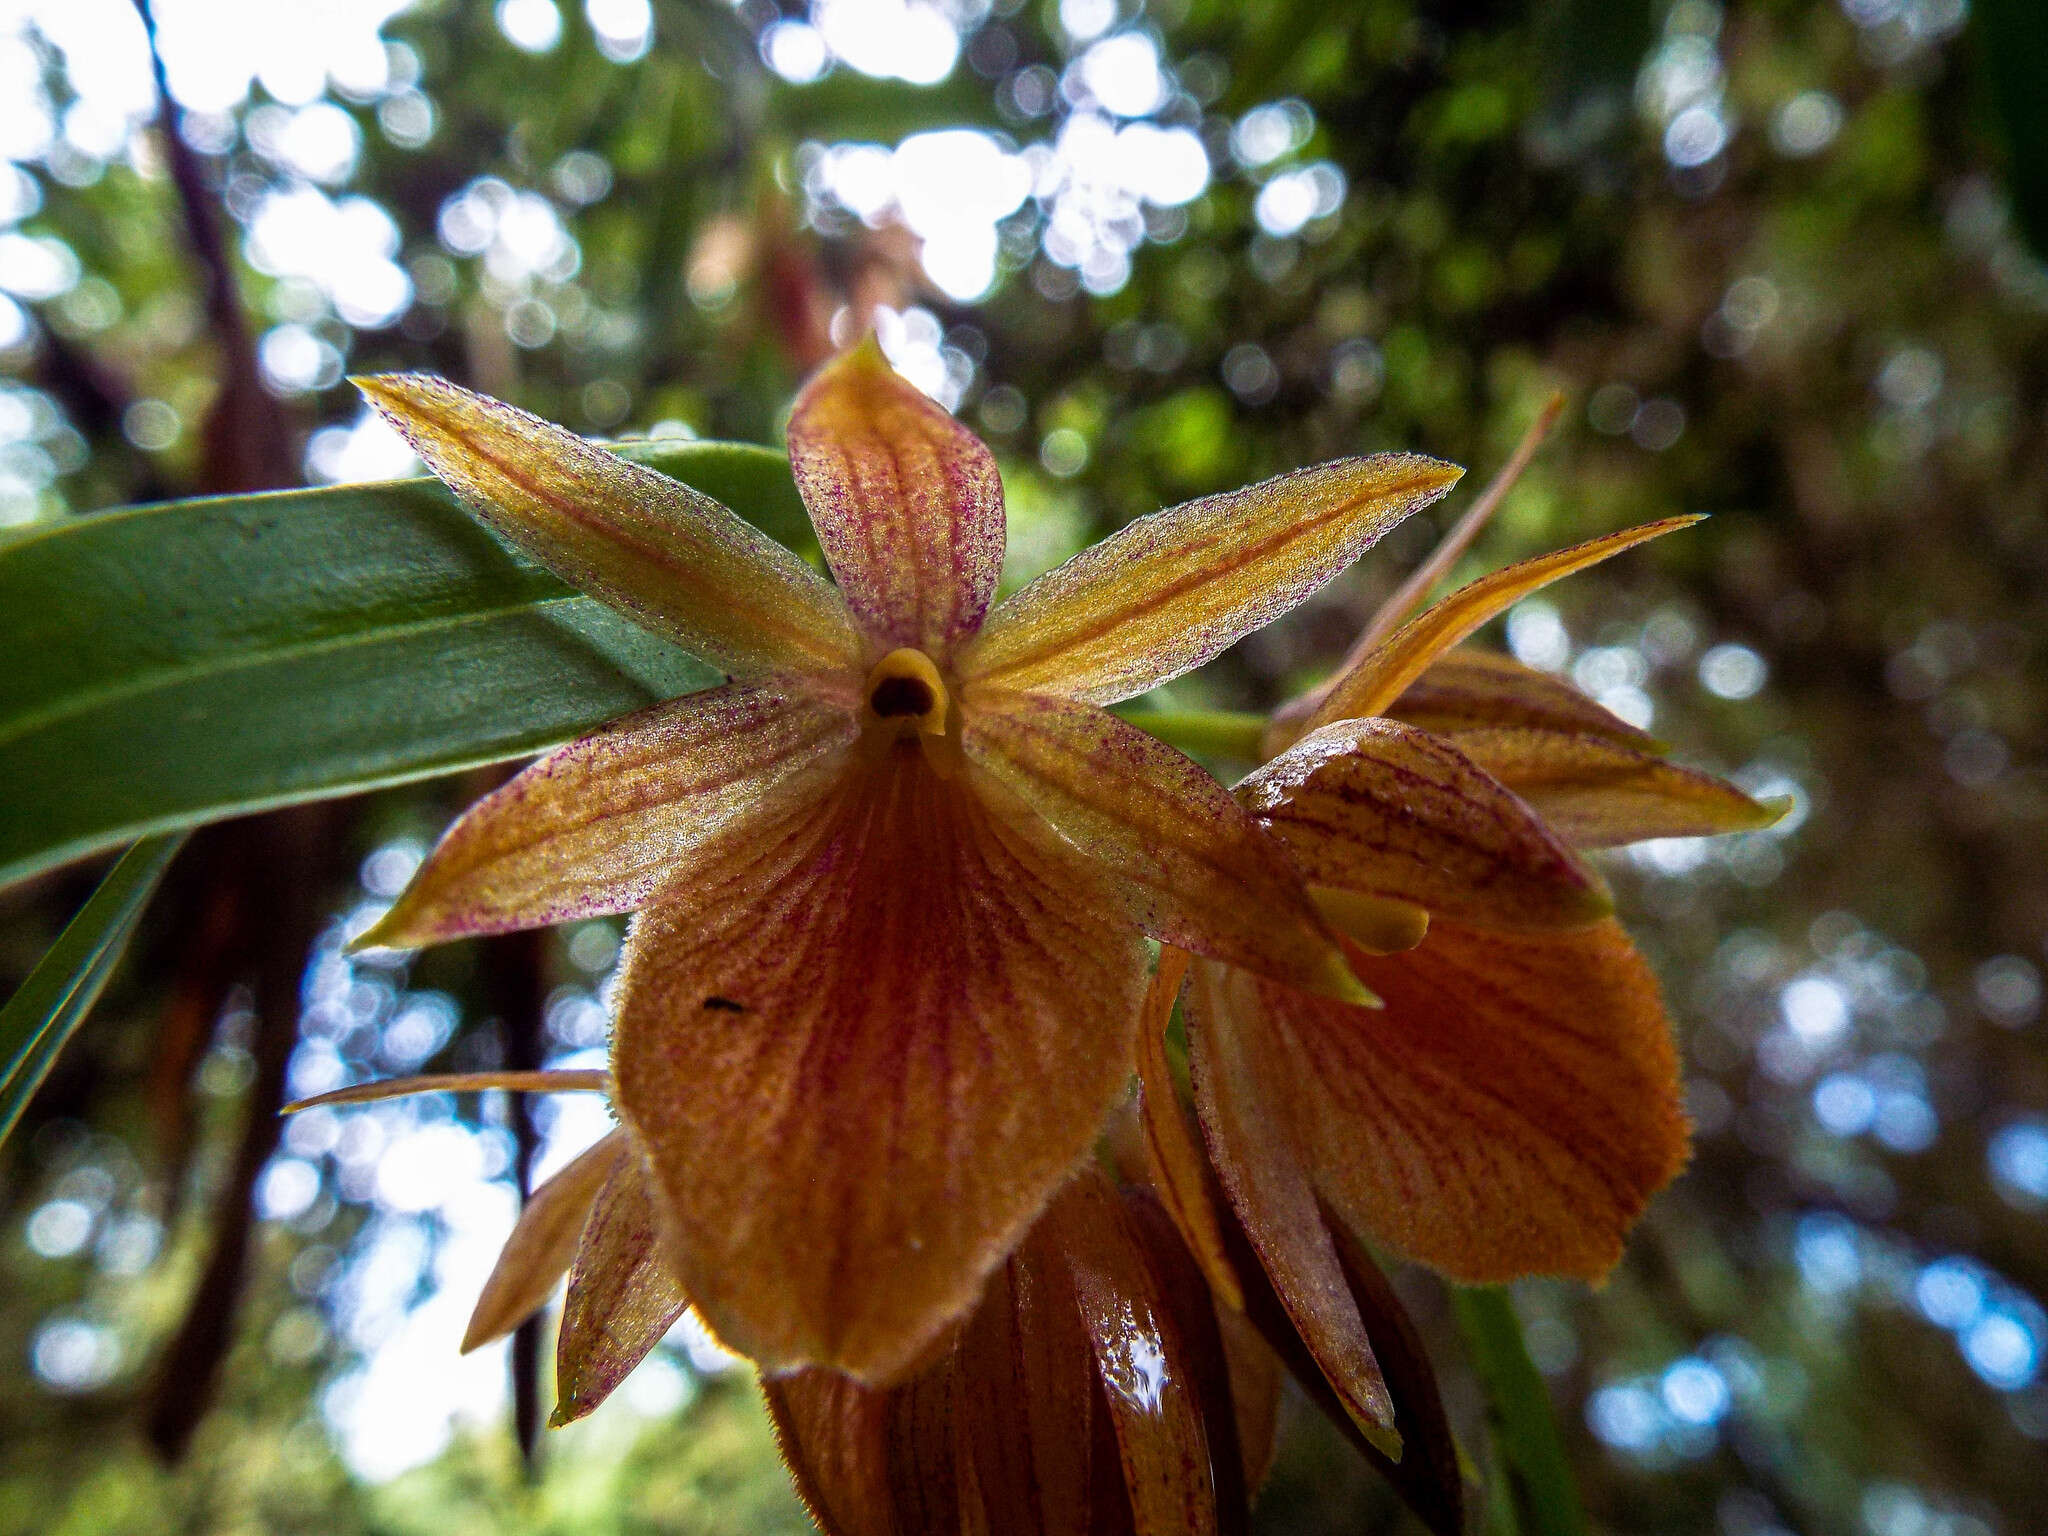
1534, 1493
1228, 733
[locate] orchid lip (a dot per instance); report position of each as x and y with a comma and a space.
905, 694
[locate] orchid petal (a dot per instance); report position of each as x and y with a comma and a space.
1029, 1398
668, 556
1428, 1473
1244, 1096
1470, 524
542, 1244
906, 501
1599, 794
869, 1461
1385, 673
1409, 595
1141, 1358
1510, 1112
599, 826
1192, 864
1387, 810
1073, 1401
1168, 592
551, 1081
622, 1298
1380, 925
1197, 1316
1173, 1150
860, 1046
1471, 689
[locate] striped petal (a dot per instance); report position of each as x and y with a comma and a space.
669, 556
1074, 1401
860, 1048
1386, 810
1385, 673
600, 825
906, 502
1246, 1102
1193, 867
1142, 1359
1168, 592
542, 1244
1595, 793
870, 1461
622, 1299
1238, 1393
1173, 1152
1510, 1112
1471, 689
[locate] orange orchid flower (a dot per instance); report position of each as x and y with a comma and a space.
892, 879
1513, 1104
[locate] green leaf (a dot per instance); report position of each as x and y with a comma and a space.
40, 1019
162, 667
1534, 1493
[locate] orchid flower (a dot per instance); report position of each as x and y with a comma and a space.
1513, 1102
893, 880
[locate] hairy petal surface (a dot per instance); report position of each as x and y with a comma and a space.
622, 1298
1385, 809
860, 1047
542, 1244
1511, 1110
598, 826
1385, 673
1472, 689
1596, 793
906, 502
1191, 864
668, 556
1246, 1101
870, 1461
1169, 591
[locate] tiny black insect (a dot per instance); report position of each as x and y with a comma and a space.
725, 1005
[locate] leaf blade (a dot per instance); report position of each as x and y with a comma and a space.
228, 655
41, 1017
1540, 1489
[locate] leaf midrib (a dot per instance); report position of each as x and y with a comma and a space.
85, 701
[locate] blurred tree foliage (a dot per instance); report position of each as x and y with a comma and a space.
1766, 249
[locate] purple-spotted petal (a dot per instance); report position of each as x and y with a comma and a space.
600, 825
906, 501
669, 556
